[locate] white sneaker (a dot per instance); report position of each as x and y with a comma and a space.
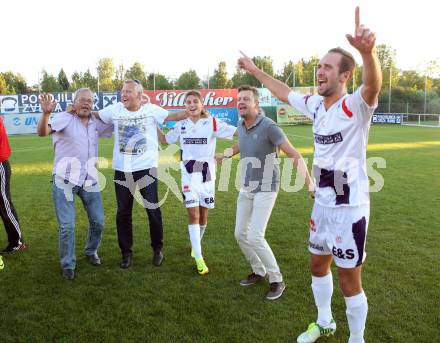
314, 331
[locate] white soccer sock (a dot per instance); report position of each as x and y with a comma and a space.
202, 230
194, 236
322, 288
357, 308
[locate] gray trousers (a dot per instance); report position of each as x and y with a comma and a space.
253, 213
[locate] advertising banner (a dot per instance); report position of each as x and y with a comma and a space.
286, 114
9, 104
104, 99
22, 111
174, 99
21, 123
228, 115
265, 97
381, 118
28, 103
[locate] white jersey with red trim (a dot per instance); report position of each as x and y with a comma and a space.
340, 144
198, 140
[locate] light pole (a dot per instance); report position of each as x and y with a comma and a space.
293, 81
314, 78
389, 94
354, 78
208, 78
424, 102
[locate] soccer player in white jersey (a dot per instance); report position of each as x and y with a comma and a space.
340, 215
197, 137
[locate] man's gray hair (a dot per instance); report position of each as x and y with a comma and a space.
137, 84
80, 90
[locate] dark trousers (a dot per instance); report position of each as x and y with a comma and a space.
7, 210
125, 185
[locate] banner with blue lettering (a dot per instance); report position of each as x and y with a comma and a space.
21, 123
22, 111
228, 115
386, 118
221, 103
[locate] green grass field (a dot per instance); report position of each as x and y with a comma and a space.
173, 304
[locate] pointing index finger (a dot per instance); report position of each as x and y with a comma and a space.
244, 55
357, 17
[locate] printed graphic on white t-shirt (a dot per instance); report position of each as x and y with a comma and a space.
132, 135
136, 145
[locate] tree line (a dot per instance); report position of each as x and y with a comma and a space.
411, 90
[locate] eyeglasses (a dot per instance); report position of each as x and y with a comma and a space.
85, 101
137, 81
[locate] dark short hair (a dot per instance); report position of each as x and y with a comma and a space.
249, 88
347, 62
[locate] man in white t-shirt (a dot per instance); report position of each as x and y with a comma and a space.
340, 215
135, 161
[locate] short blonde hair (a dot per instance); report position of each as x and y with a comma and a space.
137, 84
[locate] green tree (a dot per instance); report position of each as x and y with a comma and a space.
83, 80
299, 73
3, 86
118, 82
49, 83
310, 67
265, 63
436, 86
356, 80
188, 80
239, 78
63, 81
432, 69
411, 80
387, 60
159, 82
288, 74
16, 82
106, 73
219, 79
242, 78
90, 81
136, 72
77, 81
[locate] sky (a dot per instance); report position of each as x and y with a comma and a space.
173, 36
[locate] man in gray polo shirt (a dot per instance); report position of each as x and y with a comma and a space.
259, 140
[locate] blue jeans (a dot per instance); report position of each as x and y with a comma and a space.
63, 194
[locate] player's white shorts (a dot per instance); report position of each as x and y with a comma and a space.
340, 231
196, 192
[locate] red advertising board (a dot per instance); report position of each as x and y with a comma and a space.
174, 99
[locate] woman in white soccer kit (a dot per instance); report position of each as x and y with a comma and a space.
197, 137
